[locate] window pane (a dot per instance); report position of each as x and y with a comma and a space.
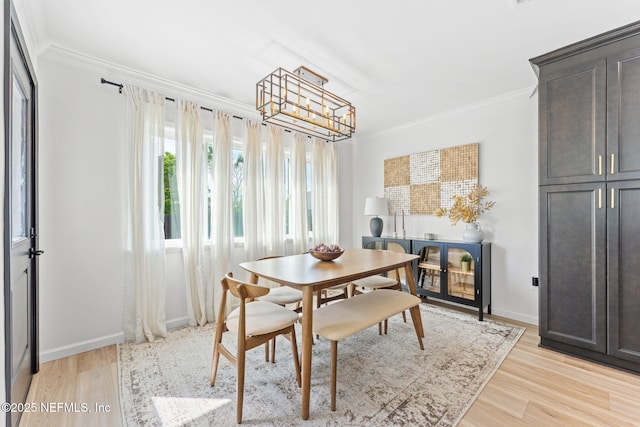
236, 197
19, 163
171, 200
287, 194
208, 139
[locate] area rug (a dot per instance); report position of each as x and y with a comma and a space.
382, 380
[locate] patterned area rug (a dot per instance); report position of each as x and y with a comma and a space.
382, 380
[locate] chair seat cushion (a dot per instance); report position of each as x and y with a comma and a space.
374, 282
282, 295
262, 317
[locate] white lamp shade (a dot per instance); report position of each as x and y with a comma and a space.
376, 206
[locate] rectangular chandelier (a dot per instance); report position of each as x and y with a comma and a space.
299, 102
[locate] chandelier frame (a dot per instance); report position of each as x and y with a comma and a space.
298, 101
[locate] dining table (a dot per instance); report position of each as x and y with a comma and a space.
310, 275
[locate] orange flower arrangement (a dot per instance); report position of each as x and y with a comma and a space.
467, 208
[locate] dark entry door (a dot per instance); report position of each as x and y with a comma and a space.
20, 222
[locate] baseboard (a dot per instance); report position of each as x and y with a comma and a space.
532, 320
80, 347
93, 344
177, 323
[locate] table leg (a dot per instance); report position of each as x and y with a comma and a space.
307, 340
411, 284
253, 278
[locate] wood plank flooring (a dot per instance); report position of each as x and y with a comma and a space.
532, 387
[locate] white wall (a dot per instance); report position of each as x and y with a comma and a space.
81, 211
81, 271
506, 129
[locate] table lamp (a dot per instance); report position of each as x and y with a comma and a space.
376, 206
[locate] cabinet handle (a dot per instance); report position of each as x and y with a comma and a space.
612, 162
613, 203
599, 198
599, 165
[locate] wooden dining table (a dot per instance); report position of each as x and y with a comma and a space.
311, 275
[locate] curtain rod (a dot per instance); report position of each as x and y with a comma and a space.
120, 86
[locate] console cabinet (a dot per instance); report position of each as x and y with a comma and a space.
443, 271
589, 172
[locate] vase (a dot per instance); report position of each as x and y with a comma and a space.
473, 233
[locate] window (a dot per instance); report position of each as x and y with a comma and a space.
236, 195
172, 200
287, 193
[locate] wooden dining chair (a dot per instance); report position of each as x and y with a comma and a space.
255, 323
284, 296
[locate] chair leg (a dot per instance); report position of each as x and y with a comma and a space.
240, 386
294, 350
215, 358
273, 350
334, 367
266, 351
214, 365
404, 316
386, 325
415, 314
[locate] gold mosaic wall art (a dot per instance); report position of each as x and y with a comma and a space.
419, 183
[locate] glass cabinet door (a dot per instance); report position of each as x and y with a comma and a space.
460, 273
402, 246
429, 269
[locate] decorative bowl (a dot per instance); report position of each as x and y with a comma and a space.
325, 256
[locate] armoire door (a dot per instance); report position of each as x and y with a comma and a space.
572, 268
572, 120
624, 270
623, 126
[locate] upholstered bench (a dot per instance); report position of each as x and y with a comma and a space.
373, 283
342, 319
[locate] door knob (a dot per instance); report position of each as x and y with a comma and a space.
34, 253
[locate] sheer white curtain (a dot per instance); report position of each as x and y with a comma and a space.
253, 192
190, 170
144, 304
324, 182
274, 192
298, 204
221, 209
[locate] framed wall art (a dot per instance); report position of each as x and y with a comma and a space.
418, 184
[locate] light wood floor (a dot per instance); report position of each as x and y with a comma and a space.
532, 387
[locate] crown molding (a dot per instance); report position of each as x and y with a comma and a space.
456, 111
121, 74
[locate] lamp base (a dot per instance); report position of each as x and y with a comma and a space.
376, 226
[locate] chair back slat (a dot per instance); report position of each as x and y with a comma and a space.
244, 290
